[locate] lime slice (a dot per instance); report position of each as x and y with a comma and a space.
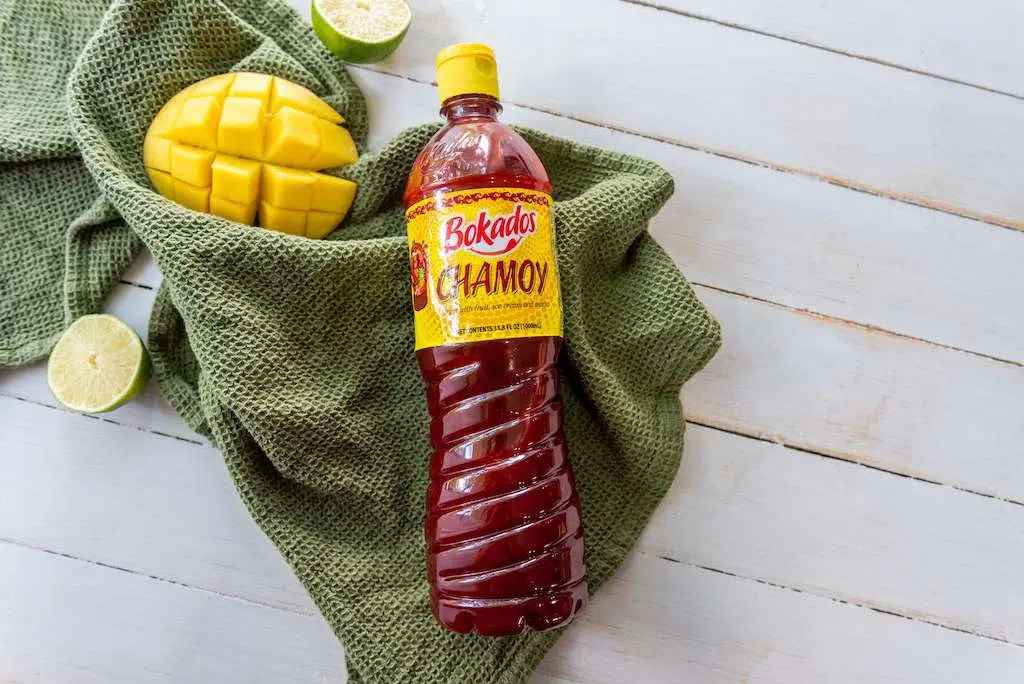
98, 364
361, 31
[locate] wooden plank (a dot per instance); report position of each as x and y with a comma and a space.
746, 96
840, 530
67, 621
886, 401
168, 509
699, 626
979, 44
132, 499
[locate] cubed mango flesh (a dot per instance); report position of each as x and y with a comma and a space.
243, 145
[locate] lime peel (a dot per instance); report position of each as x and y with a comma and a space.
97, 365
361, 31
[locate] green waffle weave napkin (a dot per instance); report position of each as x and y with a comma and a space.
296, 356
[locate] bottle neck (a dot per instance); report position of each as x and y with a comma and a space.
471, 107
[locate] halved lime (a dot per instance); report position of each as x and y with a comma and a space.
98, 364
361, 31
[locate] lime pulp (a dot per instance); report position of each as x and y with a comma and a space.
98, 364
361, 31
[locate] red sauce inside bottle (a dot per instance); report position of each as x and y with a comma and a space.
503, 528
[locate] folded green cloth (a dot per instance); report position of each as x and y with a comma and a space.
296, 356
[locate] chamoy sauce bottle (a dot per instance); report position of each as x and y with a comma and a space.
503, 528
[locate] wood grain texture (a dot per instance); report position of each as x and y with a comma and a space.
69, 622
135, 500
66, 621
699, 626
983, 50
750, 508
840, 530
860, 395
745, 95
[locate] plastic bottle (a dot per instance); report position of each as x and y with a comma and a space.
503, 528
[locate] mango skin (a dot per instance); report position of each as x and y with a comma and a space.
242, 145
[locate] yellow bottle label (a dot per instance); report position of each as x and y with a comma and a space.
483, 266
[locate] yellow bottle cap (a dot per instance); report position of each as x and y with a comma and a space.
466, 68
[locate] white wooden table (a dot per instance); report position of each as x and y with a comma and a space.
849, 203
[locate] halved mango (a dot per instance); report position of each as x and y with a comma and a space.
245, 144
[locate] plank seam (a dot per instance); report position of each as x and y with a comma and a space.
775, 439
847, 602
142, 286
698, 566
867, 327
855, 186
820, 46
157, 578
102, 419
690, 420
